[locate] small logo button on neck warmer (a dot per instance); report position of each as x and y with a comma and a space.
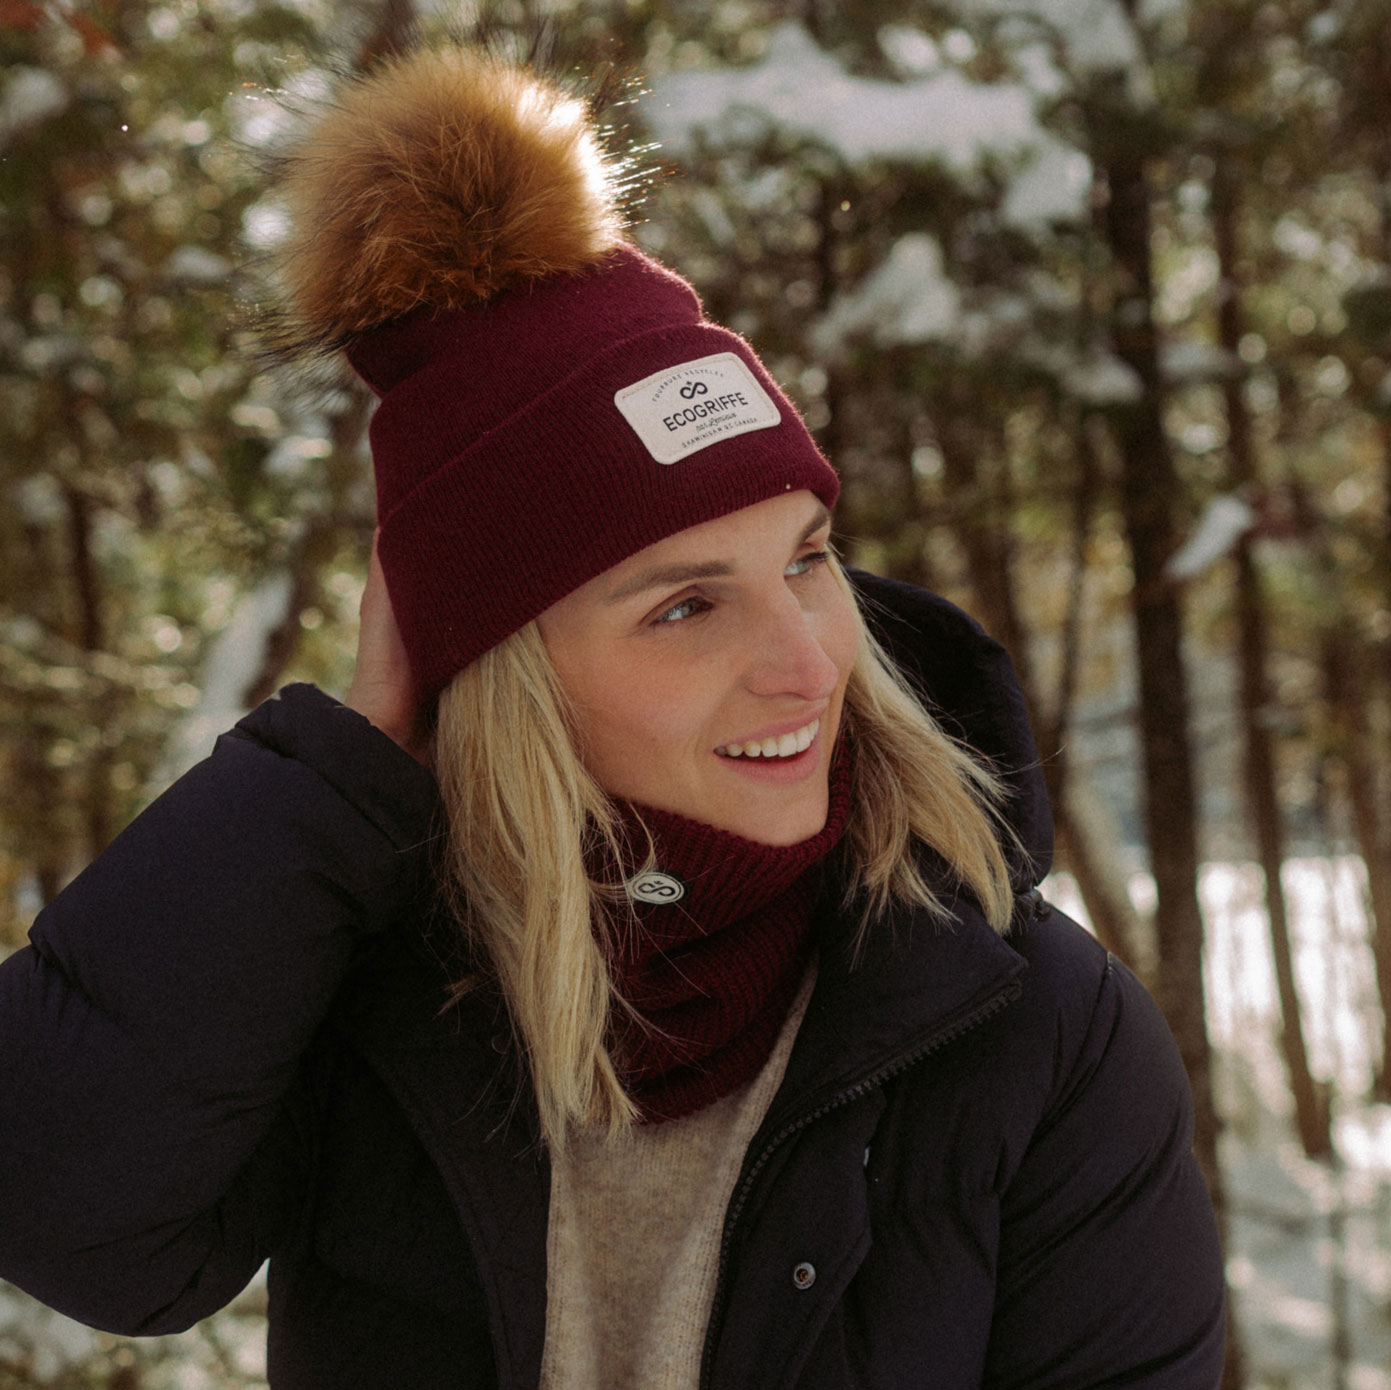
655, 887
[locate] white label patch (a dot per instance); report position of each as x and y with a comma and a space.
681, 410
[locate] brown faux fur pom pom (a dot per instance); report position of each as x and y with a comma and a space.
440, 178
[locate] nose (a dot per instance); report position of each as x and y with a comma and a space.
786, 656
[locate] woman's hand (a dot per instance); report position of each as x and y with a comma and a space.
381, 688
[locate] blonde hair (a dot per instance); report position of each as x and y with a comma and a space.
526, 819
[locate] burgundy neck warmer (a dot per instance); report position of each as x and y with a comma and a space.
712, 975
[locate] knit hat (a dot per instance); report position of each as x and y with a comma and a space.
551, 399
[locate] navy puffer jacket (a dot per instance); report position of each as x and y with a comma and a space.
226, 1043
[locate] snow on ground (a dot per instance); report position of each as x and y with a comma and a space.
1306, 1238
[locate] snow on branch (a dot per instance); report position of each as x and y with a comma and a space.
1224, 521
908, 299
939, 116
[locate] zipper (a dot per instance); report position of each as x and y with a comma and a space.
949, 1033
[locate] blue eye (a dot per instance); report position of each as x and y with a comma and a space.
687, 608
804, 564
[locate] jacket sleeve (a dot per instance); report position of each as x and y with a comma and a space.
153, 1034
1109, 1267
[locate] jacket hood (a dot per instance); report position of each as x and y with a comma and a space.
966, 679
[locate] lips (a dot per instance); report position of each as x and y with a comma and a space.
782, 746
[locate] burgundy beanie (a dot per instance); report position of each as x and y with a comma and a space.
551, 399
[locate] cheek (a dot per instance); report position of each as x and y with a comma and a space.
637, 733
634, 723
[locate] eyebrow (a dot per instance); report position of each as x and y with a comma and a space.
670, 575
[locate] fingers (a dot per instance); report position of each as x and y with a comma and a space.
382, 688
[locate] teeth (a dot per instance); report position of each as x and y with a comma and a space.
785, 746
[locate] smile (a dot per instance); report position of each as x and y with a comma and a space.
784, 746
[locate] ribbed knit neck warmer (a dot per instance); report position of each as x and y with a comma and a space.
712, 975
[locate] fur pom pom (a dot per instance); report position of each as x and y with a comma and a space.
438, 179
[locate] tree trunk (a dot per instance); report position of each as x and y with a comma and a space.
1149, 490
91, 637
1084, 841
1258, 771
1367, 774
984, 537
1087, 849
1345, 680
1084, 498
1374, 820
1255, 701
1353, 745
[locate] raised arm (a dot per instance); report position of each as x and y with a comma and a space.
156, 1038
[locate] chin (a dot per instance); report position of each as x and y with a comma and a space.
784, 839
788, 828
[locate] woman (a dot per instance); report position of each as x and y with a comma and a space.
739, 1049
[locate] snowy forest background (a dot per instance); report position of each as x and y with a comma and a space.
1090, 302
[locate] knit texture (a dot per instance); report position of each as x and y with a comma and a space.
552, 400
633, 1237
507, 475
711, 976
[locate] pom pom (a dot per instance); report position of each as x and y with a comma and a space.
440, 178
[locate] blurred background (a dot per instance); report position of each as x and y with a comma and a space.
1090, 303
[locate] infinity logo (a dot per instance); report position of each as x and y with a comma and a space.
696, 388
656, 888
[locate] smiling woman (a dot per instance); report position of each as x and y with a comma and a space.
731, 635
612, 712
631, 983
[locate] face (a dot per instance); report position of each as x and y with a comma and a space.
709, 670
